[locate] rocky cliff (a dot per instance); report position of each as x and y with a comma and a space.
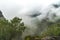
1, 15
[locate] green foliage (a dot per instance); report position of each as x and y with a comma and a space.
9, 29
28, 37
52, 30
32, 38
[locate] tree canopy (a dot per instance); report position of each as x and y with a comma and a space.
11, 29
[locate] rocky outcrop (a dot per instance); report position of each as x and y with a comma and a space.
1, 15
51, 38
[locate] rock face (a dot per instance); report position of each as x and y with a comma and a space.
1, 14
48, 38
51, 38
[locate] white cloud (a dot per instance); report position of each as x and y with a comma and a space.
13, 8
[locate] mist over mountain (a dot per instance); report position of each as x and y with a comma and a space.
32, 12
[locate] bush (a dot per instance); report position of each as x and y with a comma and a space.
52, 30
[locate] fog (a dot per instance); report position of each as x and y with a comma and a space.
11, 8
31, 11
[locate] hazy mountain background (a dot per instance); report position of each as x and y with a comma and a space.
31, 11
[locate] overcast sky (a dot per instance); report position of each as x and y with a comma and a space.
11, 8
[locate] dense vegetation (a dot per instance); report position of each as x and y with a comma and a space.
52, 30
11, 30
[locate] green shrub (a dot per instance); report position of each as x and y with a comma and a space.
52, 30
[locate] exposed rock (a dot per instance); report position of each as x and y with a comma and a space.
1, 15
48, 38
51, 38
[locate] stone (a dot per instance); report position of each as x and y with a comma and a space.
1, 15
